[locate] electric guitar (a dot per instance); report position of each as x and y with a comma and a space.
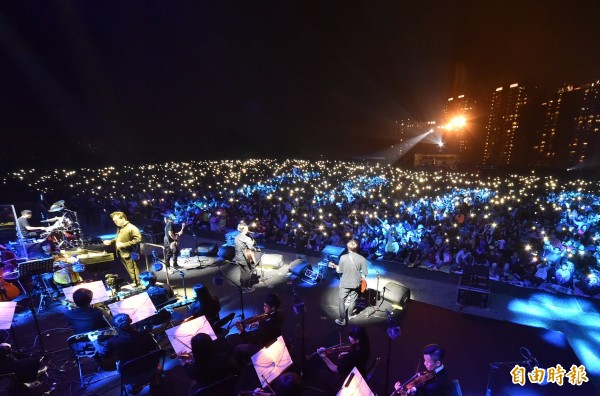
363, 281
175, 244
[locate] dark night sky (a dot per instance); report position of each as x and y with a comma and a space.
95, 81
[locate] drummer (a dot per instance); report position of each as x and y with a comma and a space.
27, 230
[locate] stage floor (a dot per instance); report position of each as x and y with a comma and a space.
474, 337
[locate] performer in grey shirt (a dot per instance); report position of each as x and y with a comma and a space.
244, 257
353, 267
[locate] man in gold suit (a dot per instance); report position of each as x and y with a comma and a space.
127, 244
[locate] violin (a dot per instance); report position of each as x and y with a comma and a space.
254, 319
340, 348
415, 381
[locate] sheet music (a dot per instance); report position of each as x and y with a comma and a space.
271, 361
96, 287
138, 307
355, 384
7, 312
181, 336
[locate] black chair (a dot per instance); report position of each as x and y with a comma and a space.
226, 386
82, 348
8, 383
139, 372
455, 388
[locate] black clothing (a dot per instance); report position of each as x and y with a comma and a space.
438, 386
26, 369
210, 369
83, 320
129, 345
170, 252
267, 331
158, 294
210, 309
355, 358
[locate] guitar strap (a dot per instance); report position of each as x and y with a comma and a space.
353, 263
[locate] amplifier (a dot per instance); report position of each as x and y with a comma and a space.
273, 261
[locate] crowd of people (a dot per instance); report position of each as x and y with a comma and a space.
528, 230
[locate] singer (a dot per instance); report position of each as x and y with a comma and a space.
244, 253
436, 383
352, 266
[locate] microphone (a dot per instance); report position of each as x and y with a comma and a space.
393, 328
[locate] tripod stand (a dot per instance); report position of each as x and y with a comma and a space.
376, 308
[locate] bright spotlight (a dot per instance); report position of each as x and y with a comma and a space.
457, 122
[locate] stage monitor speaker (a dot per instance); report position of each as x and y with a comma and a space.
226, 252
333, 253
396, 294
273, 261
299, 267
206, 249
476, 270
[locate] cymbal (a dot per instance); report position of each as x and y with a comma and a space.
57, 206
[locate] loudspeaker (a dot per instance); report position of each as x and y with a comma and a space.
226, 252
472, 297
396, 294
274, 261
299, 267
333, 253
207, 249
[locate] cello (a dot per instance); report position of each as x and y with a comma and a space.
8, 291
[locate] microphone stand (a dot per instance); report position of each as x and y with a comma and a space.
182, 274
240, 289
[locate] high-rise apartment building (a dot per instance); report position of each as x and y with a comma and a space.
503, 131
459, 140
570, 131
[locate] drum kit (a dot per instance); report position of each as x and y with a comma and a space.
64, 231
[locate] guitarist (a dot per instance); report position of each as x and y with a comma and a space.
244, 257
353, 269
171, 243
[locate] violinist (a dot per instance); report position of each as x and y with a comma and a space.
433, 382
356, 356
85, 317
269, 327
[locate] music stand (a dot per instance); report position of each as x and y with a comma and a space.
138, 307
7, 313
270, 362
35, 267
30, 268
97, 287
355, 384
181, 336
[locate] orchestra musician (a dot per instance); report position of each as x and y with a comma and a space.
356, 355
26, 229
126, 244
128, 344
159, 294
85, 317
208, 364
353, 269
266, 328
244, 257
205, 305
27, 369
436, 381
